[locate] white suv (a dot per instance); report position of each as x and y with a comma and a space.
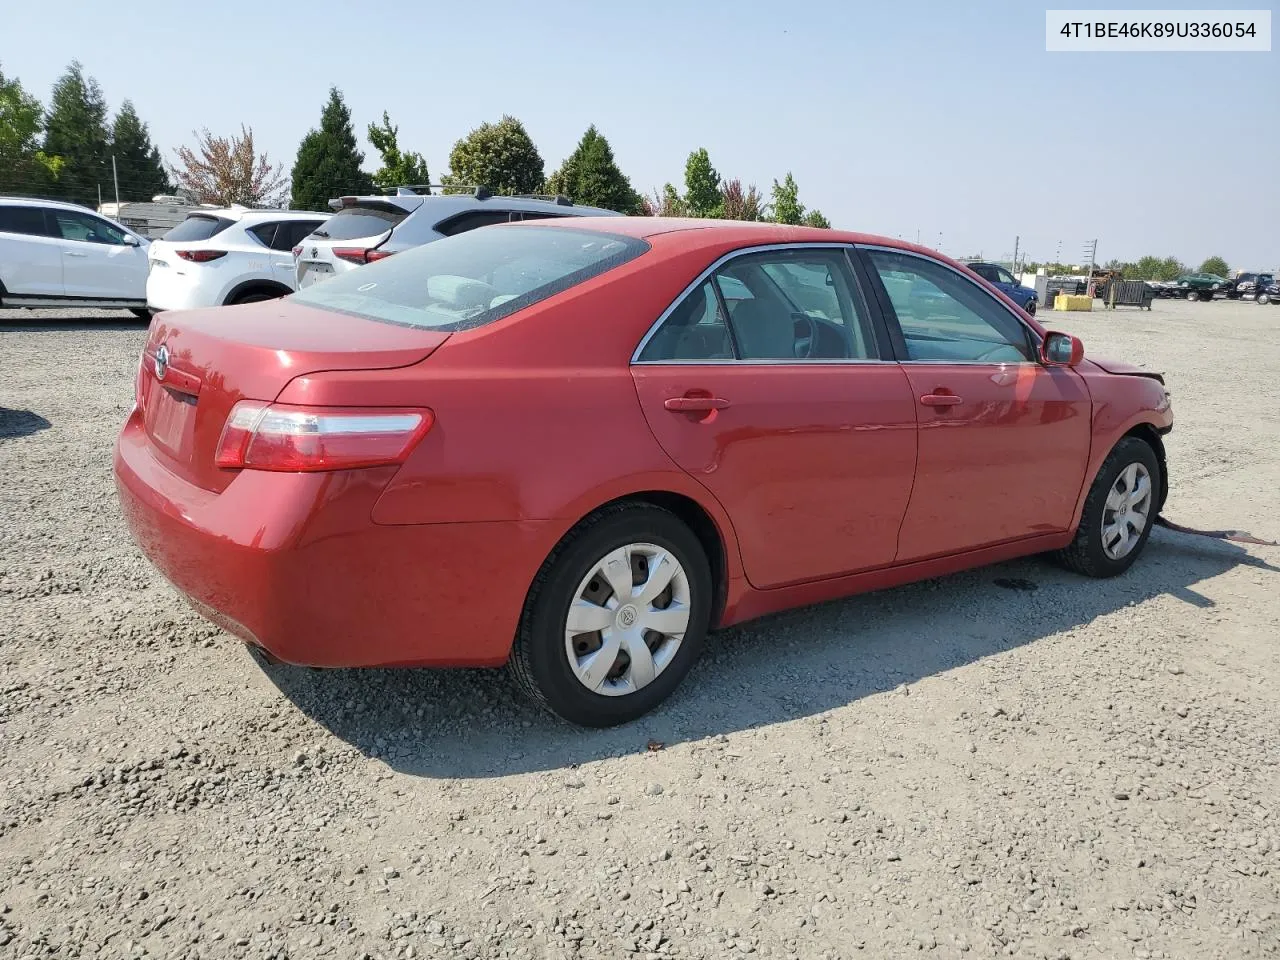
224, 256
55, 254
369, 228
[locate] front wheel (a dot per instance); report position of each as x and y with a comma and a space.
1264, 298
142, 313
616, 616
1118, 512
1031, 307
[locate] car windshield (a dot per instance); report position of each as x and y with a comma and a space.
473, 278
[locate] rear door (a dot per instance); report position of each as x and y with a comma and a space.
97, 263
30, 259
1004, 441
765, 383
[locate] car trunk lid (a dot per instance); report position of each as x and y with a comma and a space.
198, 364
340, 242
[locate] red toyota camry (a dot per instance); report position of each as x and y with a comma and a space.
577, 446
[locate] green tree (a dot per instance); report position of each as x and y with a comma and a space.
24, 167
328, 163
701, 185
138, 165
1215, 265
664, 203
76, 131
787, 207
590, 175
1156, 268
398, 169
814, 218
500, 156
739, 204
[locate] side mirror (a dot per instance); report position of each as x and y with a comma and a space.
1061, 350
131, 241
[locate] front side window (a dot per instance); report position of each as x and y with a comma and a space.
946, 317
475, 278
80, 226
785, 305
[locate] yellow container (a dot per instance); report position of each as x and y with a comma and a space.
1064, 301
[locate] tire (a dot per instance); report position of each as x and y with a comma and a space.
1088, 554
1206, 296
541, 656
256, 296
142, 313
1263, 298
1192, 295
1031, 307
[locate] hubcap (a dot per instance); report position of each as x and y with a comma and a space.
627, 619
1127, 511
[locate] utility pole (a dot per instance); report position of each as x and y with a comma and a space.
1015, 253
1090, 254
115, 179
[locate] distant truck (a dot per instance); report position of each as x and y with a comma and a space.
1202, 286
152, 220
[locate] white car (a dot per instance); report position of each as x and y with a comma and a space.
365, 229
217, 257
55, 254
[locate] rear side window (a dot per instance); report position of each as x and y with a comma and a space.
26, 220
265, 232
472, 279
291, 233
365, 219
476, 218
197, 226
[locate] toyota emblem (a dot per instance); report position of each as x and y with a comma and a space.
162, 362
315, 252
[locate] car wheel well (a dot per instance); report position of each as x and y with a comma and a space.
1149, 435
692, 514
269, 287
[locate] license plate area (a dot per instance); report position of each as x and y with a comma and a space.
314, 273
169, 418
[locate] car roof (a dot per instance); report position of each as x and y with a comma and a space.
720, 232
250, 214
40, 201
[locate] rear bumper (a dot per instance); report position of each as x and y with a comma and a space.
167, 289
292, 562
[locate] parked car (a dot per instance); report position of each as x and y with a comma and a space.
577, 446
220, 257
1202, 286
1251, 286
55, 254
1025, 297
365, 229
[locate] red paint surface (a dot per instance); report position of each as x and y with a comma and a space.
819, 480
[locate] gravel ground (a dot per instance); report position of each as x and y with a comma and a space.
1086, 769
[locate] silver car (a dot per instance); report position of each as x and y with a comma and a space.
364, 229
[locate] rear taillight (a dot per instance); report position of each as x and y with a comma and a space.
200, 256
360, 254
273, 436
297, 252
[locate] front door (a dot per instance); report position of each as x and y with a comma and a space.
1004, 440
765, 385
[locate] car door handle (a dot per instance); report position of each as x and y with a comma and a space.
695, 404
940, 400
73, 253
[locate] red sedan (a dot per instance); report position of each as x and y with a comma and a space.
577, 446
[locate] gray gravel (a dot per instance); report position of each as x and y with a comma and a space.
1086, 769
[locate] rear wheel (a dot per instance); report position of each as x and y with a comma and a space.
1118, 512
255, 296
1264, 298
1192, 295
615, 617
142, 313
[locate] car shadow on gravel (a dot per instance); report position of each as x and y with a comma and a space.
472, 723
20, 423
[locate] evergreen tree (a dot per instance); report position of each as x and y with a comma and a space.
76, 131
701, 185
590, 176
138, 166
814, 218
398, 169
328, 163
500, 156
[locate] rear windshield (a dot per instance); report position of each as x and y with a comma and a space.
197, 227
366, 219
473, 278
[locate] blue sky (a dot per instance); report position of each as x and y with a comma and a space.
943, 118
